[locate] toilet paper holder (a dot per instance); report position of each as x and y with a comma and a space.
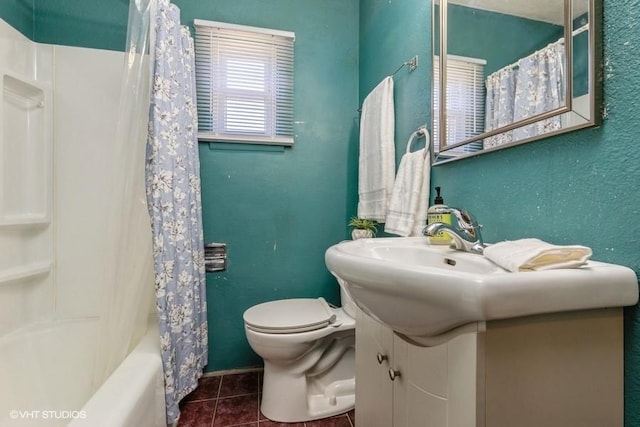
215, 257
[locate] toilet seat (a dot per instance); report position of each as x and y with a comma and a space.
289, 316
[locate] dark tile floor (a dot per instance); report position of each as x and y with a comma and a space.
233, 400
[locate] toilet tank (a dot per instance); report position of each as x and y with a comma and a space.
348, 305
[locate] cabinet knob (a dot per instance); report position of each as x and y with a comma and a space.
381, 357
393, 374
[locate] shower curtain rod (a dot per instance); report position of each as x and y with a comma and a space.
577, 31
574, 33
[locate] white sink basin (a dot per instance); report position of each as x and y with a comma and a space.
424, 291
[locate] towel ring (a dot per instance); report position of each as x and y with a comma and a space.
421, 131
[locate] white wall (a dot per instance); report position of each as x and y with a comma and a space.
84, 85
26, 235
87, 89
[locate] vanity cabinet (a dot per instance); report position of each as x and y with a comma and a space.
404, 385
555, 370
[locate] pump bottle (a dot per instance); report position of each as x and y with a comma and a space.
439, 212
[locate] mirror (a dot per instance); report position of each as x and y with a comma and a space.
515, 71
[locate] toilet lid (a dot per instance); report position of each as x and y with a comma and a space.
289, 316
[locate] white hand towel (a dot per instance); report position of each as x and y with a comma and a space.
420, 221
377, 167
406, 195
534, 254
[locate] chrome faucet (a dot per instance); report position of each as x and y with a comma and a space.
465, 232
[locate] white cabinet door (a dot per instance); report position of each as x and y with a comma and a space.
420, 390
465, 381
431, 386
374, 389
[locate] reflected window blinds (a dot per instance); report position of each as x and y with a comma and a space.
465, 101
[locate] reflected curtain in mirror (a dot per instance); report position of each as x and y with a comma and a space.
532, 86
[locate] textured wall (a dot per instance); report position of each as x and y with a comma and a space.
19, 14
84, 23
278, 210
577, 188
481, 34
392, 32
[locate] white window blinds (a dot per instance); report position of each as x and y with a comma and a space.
244, 79
465, 102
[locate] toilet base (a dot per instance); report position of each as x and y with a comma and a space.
288, 400
293, 397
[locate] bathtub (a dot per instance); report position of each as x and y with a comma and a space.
46, 372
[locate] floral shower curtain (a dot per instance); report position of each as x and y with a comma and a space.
534, 86
540, 88
173, 197
501, 88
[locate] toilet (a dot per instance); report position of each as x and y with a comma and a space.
308, 349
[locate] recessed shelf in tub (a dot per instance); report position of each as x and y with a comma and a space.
26, 153
25, 272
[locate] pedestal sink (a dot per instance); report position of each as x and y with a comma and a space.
424, 292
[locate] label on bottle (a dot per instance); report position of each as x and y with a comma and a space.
440, 238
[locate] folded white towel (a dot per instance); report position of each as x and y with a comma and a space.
534, 254
407, 194
377, 162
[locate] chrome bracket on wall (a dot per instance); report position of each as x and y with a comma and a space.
215, 257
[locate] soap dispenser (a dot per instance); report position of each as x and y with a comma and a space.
439, 212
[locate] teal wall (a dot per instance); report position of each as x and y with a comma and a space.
390, 34
85, 23
582, 187
481, 34
279, 210
580, 58
19, 14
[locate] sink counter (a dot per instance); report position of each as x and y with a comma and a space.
421, 290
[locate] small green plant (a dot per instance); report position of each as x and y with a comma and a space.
364, 224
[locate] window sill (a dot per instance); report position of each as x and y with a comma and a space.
251, 140
224, 146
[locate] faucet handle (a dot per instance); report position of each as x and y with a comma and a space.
465, 220
468, 224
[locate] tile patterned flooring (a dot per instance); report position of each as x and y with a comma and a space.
233, 400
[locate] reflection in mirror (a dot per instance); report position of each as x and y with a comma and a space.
509, 76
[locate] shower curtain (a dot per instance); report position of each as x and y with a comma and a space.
128, 269
173, 198
533, 86
157, 122
499, 105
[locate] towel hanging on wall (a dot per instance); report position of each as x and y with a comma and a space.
376, 163
407, 214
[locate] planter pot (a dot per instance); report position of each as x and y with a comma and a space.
361, 234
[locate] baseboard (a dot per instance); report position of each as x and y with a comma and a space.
232, 371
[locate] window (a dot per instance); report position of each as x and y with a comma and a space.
465, 102
244, 79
